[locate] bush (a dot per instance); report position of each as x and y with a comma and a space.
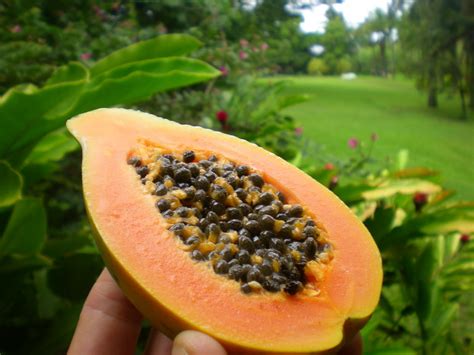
317, 66
343, 65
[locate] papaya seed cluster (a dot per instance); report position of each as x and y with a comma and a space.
225, 214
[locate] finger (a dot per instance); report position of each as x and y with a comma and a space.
354, 347
158, 344
191, 342
108, 324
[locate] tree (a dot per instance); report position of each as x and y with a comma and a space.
440, 35
336, 40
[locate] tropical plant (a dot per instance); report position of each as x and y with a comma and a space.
47, 258
425, 241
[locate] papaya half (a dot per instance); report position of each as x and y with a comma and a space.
205, 231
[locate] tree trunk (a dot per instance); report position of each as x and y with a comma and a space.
433, 97
432, 85
383, 55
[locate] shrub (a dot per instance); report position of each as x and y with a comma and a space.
317, 66
343, 65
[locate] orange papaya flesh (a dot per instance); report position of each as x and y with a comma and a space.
177, 293
226, 214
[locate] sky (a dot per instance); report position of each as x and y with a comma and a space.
354, 12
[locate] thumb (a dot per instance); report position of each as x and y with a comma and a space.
191, 342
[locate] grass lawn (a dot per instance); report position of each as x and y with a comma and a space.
340, 109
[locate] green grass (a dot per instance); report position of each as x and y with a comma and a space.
338, 110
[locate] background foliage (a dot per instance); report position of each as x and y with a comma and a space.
58, 59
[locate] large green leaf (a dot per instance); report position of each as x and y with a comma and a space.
52, 147
26, 229
27, 113
10, 184
452, 218
73, 71
171, 45
138, 81
125, 77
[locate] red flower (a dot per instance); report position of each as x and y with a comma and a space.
465, 238
222, 116
420, 199
329, 166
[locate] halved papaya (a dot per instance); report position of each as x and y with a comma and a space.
206, 231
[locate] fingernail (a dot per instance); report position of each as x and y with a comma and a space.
178, 349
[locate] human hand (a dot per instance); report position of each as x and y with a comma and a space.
110, 324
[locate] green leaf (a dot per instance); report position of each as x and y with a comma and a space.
56, 248
23, 263
52, 147
428, 289
285, 101
48, 303
73, 71
171, 45
416, 172
28, 113
401, 186
381, 222
352, 192
146, 78
391, 350
11, 184
402, 159
442, 320
449, 221
364, 209
26, 229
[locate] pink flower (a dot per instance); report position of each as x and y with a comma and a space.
264, 46
244, 43
224, 70
255, 49
329, 166
86, 56
298, 131
222, 116
374, 137
15, 29
243, 55
353, 143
